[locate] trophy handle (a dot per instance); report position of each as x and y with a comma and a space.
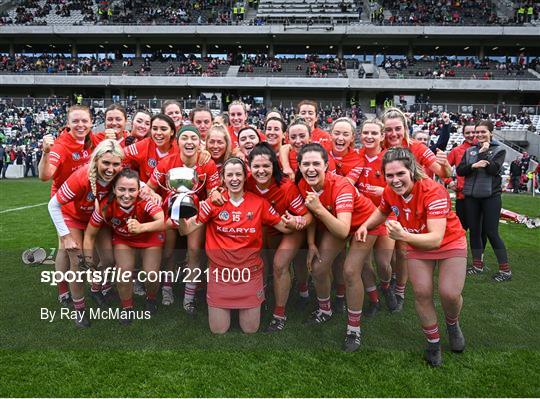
200, 185
167, 189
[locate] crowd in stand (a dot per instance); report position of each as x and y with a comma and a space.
446, 12
194, 67
447, 67
54, 64
313, 65
30, 12
172, 12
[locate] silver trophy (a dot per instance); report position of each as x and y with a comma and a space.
185, 183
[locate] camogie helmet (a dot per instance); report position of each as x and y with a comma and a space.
34, 256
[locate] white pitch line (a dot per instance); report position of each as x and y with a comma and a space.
23, 207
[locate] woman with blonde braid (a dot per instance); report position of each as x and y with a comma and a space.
72, 207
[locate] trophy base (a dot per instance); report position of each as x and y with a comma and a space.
182, 207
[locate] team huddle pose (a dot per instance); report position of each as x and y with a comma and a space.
286, 204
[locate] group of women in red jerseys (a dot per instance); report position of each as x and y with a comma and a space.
308, 196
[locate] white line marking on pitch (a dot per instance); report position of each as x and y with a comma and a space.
23, 207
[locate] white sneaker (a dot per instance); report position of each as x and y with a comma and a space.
167, 296
138, 288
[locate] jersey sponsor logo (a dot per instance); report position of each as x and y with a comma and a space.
223, 215
90, 196
395, 209
152, 162
415, 231
76, 156
250, 230
115, 222
250, 215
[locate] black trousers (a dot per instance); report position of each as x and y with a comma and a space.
482, 216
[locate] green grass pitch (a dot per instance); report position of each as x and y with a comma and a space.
173, 355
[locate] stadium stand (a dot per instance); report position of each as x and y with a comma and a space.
308, 11
450, 12
468, 68
86, 12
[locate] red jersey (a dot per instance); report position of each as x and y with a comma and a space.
234, 137
76, 196
368, 173
346, 163
320, 136
339, 196
454, 158
207, 173
68, 155
428, 200
424, 156
99, 137
144, 157
117, 217
234, 231
284, 197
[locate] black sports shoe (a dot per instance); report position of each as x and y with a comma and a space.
190, 308
317, 317
433, 354
276, 324
302, 302
111, 297
65, 301
151, 306
81, 319
393, 283
340, 306
97, 298
473, 270
501, 276
371, 309
399, 304
128, 319
389, 298
456, 338
352, 342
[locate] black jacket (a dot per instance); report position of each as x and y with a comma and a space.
515, 169
482, 182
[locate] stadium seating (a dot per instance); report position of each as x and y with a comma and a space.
316, 11
471, 69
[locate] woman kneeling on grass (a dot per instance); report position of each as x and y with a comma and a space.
233, 246
137, 225
433, 233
